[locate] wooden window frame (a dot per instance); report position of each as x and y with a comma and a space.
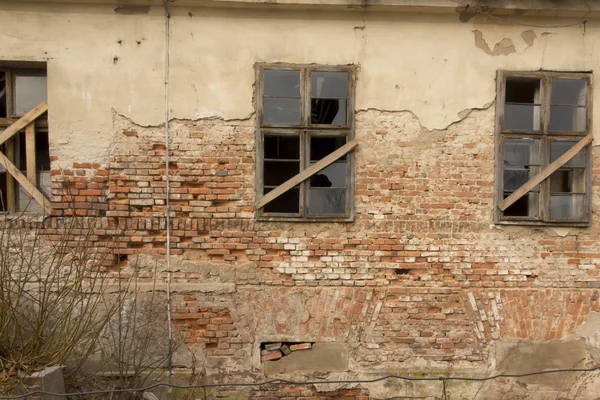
545, 137
305, 130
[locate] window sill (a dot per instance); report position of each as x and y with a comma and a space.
586, 224
307, 220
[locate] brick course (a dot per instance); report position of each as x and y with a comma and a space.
421, 272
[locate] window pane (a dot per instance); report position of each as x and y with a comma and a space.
569, 207
569, 91
558, 148
282, 147
521, 152
522, 90
322, 146
42, 152
327, 201
332, 176
281, 111
30, 90
521, 117
521, 163
289, 202
526, 206
515, 178
328, 111
26, 202
281, 83
327, 85
568, 119
277, 172
568, 181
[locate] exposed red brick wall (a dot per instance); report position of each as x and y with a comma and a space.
210, 327
422, 243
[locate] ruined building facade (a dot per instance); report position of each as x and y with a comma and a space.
448, 226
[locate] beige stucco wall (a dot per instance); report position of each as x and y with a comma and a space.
430, 64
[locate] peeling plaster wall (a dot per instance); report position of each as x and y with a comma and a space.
105, 58
421, 280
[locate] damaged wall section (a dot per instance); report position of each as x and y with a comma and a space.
421, 279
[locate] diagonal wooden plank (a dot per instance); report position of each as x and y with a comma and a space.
9, 151
30, 153
545, 173
307, 173
28, 186
22, 122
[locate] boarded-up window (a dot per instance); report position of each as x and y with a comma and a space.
21, 90
305, 114
543, 166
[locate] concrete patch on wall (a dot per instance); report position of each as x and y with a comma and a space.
590, 332
322, 357
529, 37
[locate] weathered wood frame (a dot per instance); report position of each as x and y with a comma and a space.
27, 122
546, 137
304, 130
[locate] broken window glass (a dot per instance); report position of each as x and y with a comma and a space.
521, 163
295, 100
532, 141
327, 192
523, 105
329, 94
281, 162
288, 203
30, 90
567, 184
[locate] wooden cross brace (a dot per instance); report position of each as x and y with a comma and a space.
307, 173
545, 173
28, 182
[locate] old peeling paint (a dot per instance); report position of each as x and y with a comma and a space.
529, 37
502, 48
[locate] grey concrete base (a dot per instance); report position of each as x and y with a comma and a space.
49, 379
322, 357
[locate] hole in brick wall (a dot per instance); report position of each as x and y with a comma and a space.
120, 259
402, 271
271, 351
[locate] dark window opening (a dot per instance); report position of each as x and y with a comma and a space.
289, 202
519, 208
522, 108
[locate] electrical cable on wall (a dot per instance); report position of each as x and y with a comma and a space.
442, 379
167, 189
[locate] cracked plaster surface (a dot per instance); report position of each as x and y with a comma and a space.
214, 79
